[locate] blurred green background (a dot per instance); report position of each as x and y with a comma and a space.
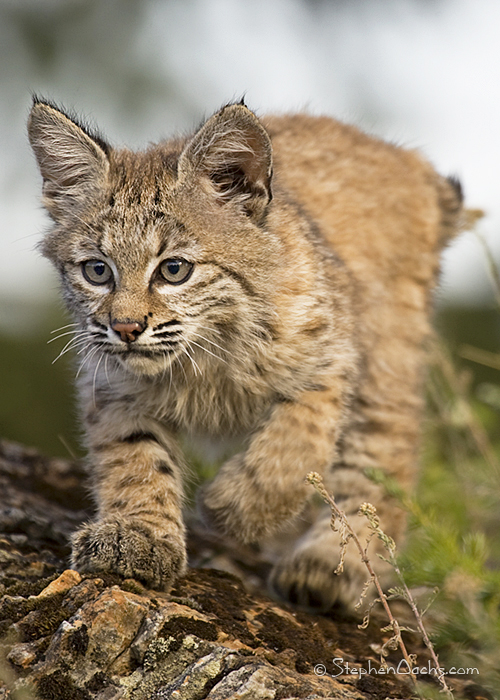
143, 69
37, 404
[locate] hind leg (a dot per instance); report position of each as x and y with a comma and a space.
383, 432
305, 574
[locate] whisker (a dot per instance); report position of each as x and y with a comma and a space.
106, 369
73, 343
84, 348
87, 357
63, 327
164, 370
212, 330
208, 351
170, 378
178, 359
67, 333
195, 365
198, 335
166, 366
95, 377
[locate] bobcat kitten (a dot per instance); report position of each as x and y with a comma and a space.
267, 279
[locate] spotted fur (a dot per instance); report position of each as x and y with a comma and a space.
307, 252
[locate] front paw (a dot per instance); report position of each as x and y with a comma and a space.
129, 549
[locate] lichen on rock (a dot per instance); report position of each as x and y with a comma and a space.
68, 637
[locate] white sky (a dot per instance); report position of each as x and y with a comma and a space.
425, 75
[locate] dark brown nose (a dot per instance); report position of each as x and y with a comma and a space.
127, 330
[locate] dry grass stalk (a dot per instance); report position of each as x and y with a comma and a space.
347, 534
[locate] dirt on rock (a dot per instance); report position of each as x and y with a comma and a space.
216, 636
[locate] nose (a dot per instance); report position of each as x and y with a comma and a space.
127, 330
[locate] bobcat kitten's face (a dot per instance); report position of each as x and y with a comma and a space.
134, 300
159, 252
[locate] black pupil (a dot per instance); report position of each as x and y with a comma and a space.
99, 269
174, 267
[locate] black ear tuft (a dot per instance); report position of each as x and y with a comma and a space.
457, 186
234, 151
70, 114
72, 159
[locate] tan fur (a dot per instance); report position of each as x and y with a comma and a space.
301, 328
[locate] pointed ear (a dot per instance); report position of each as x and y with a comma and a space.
233, 150
73, 161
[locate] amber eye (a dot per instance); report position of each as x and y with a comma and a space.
97, 272
176, 270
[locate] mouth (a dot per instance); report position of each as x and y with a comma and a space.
141, 360
158, 351
148, 353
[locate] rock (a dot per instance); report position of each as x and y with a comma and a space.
62, 584
68, 637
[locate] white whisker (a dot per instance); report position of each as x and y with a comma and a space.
95, 377
166, 365
208, 351
198, 335
212, 330
67, 333
178, 359
72, 345
106, 369
87, 357
170, 378
193, 362
84, 348
63, 327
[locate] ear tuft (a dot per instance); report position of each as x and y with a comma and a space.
233, 150
72, 159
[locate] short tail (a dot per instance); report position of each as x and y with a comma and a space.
455, 218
